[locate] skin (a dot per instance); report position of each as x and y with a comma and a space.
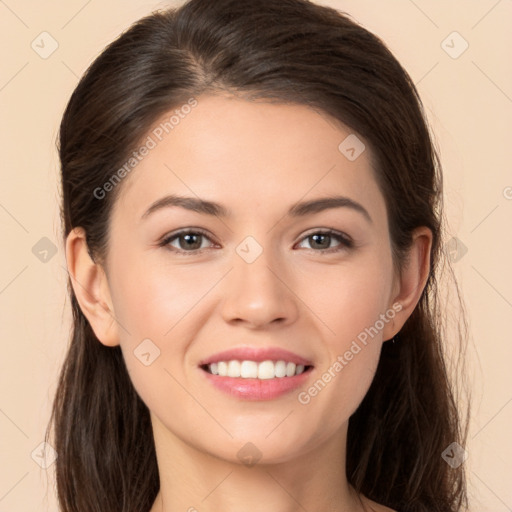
256, 159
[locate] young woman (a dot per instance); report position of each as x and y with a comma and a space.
252, 220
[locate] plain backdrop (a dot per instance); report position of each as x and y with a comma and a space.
458, 54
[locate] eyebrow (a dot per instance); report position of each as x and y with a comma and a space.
215, 209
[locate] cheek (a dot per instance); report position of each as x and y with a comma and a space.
347, 298
350, 358
161, 310
349, 301
150, 300
337, 390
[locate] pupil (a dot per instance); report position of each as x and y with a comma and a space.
324, 238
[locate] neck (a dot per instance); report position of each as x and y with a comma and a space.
196, 481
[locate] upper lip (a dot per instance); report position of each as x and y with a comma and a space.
257, 354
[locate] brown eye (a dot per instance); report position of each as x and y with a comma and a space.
186, 241
323, 241
320, 241
191, 241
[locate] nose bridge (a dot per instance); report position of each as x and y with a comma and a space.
256, 292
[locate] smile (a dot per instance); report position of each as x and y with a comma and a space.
256, 373
255, 370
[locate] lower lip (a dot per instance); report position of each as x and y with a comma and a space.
257, 389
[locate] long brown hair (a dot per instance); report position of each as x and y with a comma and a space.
288, 51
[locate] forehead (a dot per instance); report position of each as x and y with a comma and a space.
250, 155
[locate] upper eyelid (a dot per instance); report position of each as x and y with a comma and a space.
326, 231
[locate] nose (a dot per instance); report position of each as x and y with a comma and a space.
259, 294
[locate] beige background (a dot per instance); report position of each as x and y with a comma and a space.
469, 103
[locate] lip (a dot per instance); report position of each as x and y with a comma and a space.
257, 389
258, 355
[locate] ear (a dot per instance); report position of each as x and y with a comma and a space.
410, 284
91, 288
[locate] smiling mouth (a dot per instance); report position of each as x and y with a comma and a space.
263, 370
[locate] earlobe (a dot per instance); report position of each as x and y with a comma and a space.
412, 280
91, 288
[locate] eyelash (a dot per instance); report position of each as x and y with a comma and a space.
345, 242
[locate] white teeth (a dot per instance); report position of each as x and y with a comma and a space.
253, 370
290, 369
222, 368
280, 369
266, 370
249, 370
234, 369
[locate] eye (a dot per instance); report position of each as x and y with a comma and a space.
194, 241
321, 241
186, 241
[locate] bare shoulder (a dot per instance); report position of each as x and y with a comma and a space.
381, 508
376, 507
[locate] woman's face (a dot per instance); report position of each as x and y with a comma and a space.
243, 262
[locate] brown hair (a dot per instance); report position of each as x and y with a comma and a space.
288, 51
